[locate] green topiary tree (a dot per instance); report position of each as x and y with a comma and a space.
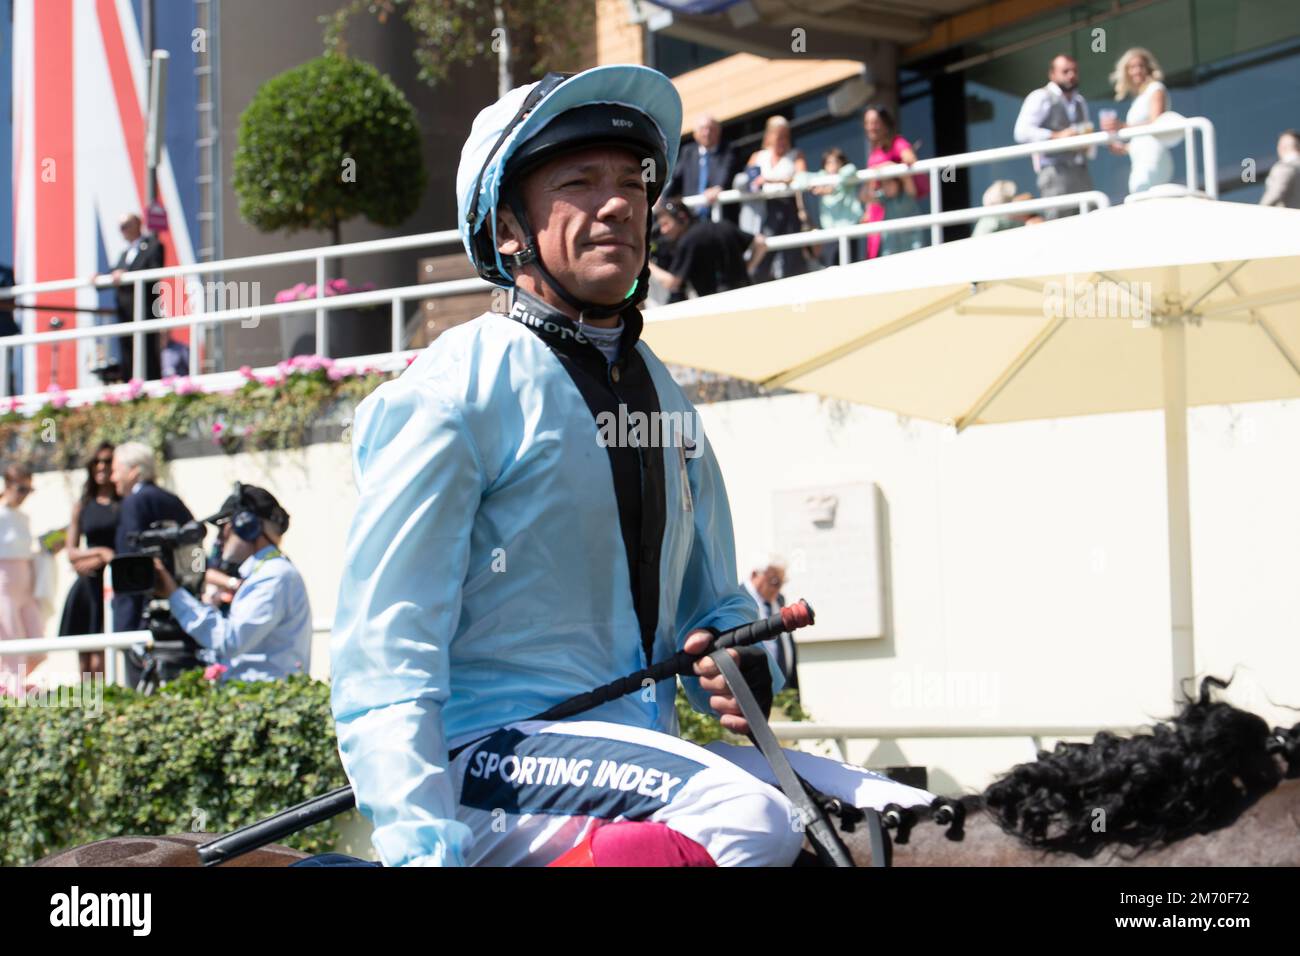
324, 142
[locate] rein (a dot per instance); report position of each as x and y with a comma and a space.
830, 849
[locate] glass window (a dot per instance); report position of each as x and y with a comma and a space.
673, 56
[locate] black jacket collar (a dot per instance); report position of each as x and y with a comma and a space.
561, 332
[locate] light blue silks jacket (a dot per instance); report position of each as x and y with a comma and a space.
486, 577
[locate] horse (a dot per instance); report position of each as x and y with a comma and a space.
1213, 786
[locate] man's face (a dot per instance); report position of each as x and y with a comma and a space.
130, 227
588, 210
768, 582
122, 477
707, 132
1064, 73
234, 549
1287, 146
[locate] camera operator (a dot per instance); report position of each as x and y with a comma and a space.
267, 634
143, 504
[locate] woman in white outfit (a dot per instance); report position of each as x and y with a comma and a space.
21, 614
1137, 74
778, 164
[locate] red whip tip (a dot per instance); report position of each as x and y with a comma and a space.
797, 615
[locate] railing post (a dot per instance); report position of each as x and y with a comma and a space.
844, 250
1210, 152
322, 323
936, 206
4, 371
715, 212
1189, 144
138, 367
397, 325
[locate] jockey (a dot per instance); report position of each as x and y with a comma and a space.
516, 544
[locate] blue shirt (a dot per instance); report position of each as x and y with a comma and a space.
268, 632
485, 576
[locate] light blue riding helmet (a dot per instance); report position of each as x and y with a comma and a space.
630, 106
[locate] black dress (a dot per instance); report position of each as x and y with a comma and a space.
83, 612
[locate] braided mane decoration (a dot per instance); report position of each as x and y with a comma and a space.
1194, 774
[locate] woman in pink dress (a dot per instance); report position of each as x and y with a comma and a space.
20, 612
885, 148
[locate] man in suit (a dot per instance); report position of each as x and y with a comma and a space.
1056, 111
1282, 188
143, 503
706, 166
142, 252
764, 588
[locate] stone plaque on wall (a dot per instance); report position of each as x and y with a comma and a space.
830, 537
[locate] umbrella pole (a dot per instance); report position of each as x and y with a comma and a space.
1173, 335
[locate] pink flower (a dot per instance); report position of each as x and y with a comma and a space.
247, 372
217, 429
214, 671
112, 398
58, 397
270, 381
185, 385
300, 291
410, 359
337, 373
134, 388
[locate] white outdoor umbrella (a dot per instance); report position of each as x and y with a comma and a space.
1161, 303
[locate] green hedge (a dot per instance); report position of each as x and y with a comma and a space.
197, 756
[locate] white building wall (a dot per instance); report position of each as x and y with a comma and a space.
1028, 563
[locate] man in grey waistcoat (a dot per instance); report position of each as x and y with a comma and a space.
1055, 111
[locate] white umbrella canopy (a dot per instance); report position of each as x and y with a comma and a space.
1047, 321
1161, 303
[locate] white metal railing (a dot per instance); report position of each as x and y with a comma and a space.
112, 642
197, 322
1081, 201
937, 166
841, 734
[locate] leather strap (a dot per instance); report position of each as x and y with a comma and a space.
830, 850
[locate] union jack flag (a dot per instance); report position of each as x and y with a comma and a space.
78, 136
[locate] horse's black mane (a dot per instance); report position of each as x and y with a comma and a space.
1195, 774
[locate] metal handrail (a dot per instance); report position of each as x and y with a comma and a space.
936, 166
843, 733
321, 305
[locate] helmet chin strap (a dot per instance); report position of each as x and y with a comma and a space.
586, 310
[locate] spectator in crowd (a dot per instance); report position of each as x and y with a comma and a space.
267, 634
1137, 74
142, 252
706, 255
893, 202
22, 580
94, 517
764, 589
1057, 111
838, 204
706, 165
8, 326
1001, 192
777, 164
1282, 188
887, 148
143, 503
175, 359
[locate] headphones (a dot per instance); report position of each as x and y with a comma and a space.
247, 523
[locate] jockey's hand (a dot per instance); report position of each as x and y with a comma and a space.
721, 700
